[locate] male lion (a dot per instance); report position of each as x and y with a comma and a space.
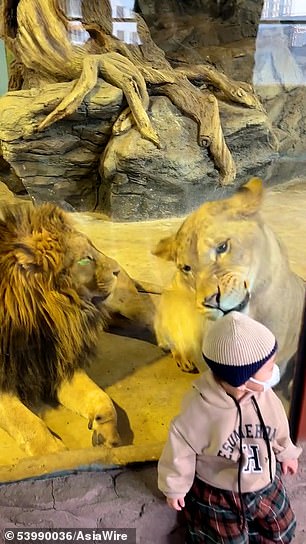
51, 281
227, 259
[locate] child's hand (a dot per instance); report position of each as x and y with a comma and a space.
176, 504
290, 466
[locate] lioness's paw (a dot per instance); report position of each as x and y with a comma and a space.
185, 363
104, 427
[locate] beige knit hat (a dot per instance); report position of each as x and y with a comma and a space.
236, 346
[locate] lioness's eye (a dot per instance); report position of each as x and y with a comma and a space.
186, 268
85, 261
223, 247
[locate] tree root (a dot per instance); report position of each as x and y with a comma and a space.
74, 99
121, 73
235, 91
203, 108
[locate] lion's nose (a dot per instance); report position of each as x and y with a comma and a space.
212, 301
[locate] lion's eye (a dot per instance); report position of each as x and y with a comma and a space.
85, 261
186, 268
222, 248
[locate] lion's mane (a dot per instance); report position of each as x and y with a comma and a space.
48, 327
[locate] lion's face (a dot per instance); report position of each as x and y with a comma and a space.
93, 274
45, 252
216, 251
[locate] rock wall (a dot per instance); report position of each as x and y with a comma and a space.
147, 182
136, 180
228, 35
61, 163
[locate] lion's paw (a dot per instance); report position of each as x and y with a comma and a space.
104, 427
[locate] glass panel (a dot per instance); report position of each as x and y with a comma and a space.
130, 117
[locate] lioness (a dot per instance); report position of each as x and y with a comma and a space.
227, 259
52, 283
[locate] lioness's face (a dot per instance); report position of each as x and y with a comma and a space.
217, 262
216, 249
93, 274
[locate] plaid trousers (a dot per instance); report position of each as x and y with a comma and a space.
214, 516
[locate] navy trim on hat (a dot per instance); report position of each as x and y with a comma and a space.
237, 375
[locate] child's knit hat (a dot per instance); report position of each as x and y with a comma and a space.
236, 346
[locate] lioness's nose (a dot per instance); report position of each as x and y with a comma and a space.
212, 300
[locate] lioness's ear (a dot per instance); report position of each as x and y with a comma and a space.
166, 248
248, 198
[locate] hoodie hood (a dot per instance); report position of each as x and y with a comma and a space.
213, 393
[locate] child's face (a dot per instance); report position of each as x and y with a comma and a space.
263, 374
